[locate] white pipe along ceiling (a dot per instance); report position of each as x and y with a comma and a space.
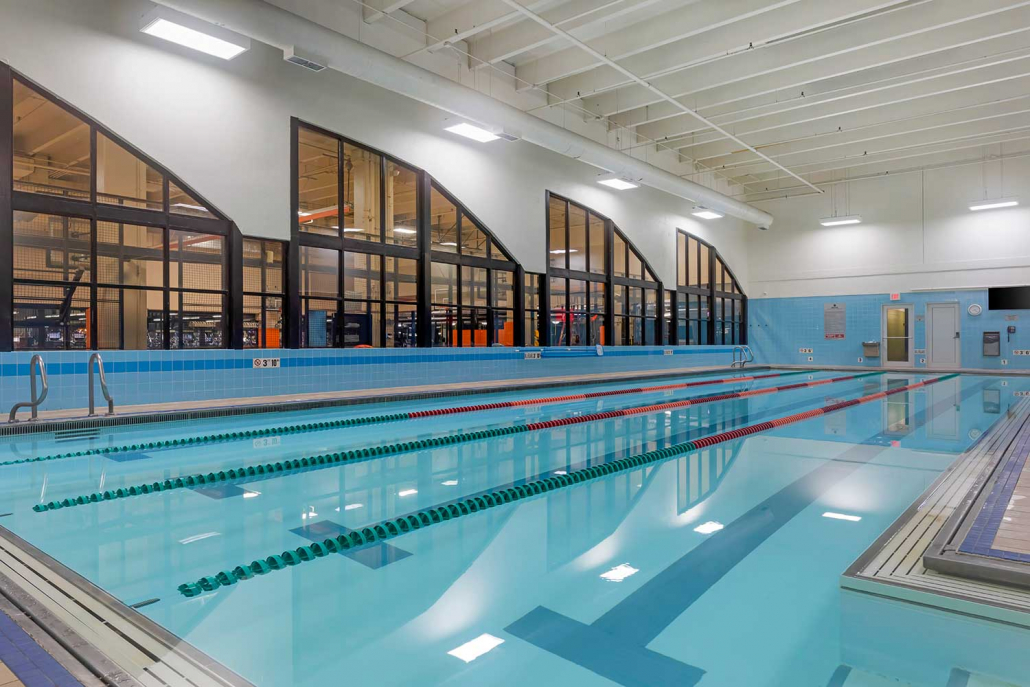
277, 27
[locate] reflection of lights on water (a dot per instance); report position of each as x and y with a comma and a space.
619, 573
709, 527
842, 516
470, 651
407, 492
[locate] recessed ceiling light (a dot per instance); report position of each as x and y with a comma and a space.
709, 527
474, 132
842, 516
194, 33
619, 573
839, 221
994, 204
705, 213
470, 651
618, 184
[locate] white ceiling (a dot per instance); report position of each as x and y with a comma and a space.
824, 89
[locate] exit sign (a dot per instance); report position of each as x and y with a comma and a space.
895, 296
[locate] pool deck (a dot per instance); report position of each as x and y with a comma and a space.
904, 562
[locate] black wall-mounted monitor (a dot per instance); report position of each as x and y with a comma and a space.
1009, 298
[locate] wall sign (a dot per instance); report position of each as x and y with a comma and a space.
532, 355
262, 363
895, 296
834, 318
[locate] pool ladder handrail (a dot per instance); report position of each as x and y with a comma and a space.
103, 386
37, 400
746, 356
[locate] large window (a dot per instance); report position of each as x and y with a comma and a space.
263, 321
601, 290
109, 251
710, 307
472, 287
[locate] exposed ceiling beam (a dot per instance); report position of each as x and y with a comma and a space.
898, 36
466, 21
374, 10
652, 89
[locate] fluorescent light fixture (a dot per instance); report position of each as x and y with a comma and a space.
187, 206
351, 230
470, 651
618, 184
619, 573
994, 204
474, 132
407, 492
193, 33
705, 213
199, 537
449, 243
839, 221
709, 527
450, 483
842, 516
562, 251
404, 230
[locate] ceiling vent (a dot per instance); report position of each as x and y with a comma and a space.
302, 58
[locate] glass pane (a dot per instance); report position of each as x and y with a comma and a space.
401, 274
124, 179
473, 286
182, 203
445, 326
897, 335
109, 319
577, 238
559, 312
597, 245
649, 331
504, 328
636, 301
556, 227
50, 317
578, 305
196, 320
620, 256
619, 298
262, 266
474, 327
636, 268
51, 147
400, 325
130, 255
361, 325
196, 260
318, 323
504, 289
272, 335
401, 204
445, 284
132, 319
531, 304
361, 276
681, 258
620, 330
704, 282
443, 223
668, 330
692, 262
51, 247
318, 166
719, 275
597, 297
473, 238
596, 314
319, 272
635, 335
651, 302
252, 327
361, 174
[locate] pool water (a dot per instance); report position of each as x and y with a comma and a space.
719, 567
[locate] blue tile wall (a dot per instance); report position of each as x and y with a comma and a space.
136, 377
778, 327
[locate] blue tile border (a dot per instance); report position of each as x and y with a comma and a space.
979, 539
29, 662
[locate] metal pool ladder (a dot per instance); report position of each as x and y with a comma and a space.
103, 385
742, 355
37, 400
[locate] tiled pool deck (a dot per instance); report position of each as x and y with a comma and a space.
23, 663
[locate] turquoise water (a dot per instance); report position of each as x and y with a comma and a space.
715, 568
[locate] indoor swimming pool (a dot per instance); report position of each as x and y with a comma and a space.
673, 531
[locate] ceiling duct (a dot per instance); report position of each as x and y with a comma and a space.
274, 26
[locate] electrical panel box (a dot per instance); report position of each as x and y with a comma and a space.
992, 344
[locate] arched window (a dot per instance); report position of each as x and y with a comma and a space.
710, 306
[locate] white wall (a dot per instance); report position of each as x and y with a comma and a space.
917, 233
224, 128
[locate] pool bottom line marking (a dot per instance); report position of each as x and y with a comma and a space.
356, 455
134, 450
424, 518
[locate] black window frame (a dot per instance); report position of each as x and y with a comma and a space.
711, 299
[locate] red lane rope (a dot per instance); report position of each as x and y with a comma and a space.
689, 402
592, 394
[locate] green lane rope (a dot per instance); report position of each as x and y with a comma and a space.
337, 458
376, 419
392, 528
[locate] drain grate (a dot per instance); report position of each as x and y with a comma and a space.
66, 435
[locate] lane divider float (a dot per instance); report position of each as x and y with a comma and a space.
424, 518
378, 419
335, 459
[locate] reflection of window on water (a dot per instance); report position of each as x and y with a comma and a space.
898, 409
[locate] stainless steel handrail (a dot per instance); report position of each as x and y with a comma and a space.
746, 356
37, 361
103, 385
